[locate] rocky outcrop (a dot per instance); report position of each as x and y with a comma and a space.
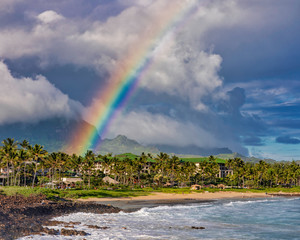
21, 216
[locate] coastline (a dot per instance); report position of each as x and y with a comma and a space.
22, 216
158, 199
170, 199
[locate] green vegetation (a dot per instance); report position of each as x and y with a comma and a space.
117, 193
30, 166
73, 193
198, 160
245, 159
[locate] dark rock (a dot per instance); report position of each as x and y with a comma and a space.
21, 216
53, 223
74, 223
68, 226
104, 227
193, 227
50, 231
93, 226
71, 232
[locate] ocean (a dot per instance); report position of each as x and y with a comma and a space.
271, 218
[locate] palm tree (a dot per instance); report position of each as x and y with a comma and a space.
160, 166
106, 162
238, 167
88, 164
24, 154
140, 164
75, 163
38, 154
172, 167
261, 169
21, 157
188, 169
8, 152
53, 162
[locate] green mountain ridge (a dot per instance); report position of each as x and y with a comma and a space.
54, 134
122, 144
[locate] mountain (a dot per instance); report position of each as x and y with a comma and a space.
122, 144
193, 150
244, 158
53, 134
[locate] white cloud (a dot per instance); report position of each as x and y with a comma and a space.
181, 66
160, 129
180, 71
31, 100
49, 17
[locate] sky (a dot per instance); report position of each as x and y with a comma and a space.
228, 76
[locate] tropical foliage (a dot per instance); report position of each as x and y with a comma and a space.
24, 165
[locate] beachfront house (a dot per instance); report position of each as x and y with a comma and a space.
109, 180
223, 170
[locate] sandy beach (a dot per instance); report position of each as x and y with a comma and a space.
157, 198
175, 196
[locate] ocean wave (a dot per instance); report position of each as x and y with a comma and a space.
248, 219
233, 203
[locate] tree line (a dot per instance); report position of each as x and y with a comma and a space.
27, 165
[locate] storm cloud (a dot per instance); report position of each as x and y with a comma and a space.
31, 100
227, 77
288, 140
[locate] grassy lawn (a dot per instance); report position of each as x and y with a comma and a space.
197, 160
73, 193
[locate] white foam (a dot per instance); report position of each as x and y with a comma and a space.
174, 222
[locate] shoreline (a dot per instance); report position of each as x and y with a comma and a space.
170, 199
21, 216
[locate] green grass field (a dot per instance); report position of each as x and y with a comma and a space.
196, 160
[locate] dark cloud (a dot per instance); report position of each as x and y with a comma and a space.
253, 141
268, 42
236, 98
255, 60
287, 123
80, 83
288, 140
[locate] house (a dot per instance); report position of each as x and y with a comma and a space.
71, 180
110, 180
224, 171
196, 187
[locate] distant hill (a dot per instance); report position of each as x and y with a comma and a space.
193, 150
53, 134
246, 159
122, 144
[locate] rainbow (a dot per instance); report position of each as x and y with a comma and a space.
127, 75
